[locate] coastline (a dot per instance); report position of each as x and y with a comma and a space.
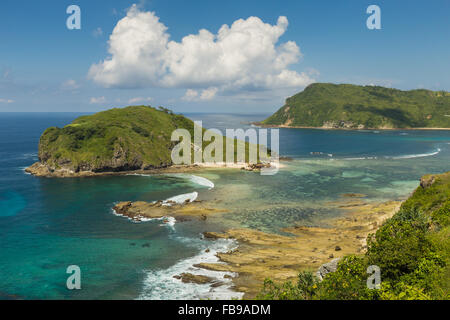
346, 129
41, 170
261, 255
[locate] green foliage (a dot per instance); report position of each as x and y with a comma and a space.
302, 290
130, 138
350, 106
401, 291
348, 282
399, 244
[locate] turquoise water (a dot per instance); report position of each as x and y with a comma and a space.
49, 224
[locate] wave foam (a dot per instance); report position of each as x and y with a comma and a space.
408, 156
181, 198
202, 181
166, 221
419, 155
161, 285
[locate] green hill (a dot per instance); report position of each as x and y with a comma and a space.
120, 139
350, 106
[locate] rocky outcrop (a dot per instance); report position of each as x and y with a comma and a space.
193, 278
326, 268
39, 169
427, 181
256, 166
139, 210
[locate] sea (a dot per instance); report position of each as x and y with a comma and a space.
48, 224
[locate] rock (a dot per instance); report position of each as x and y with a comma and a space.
331, 256
122, 207
354, 195
337, 248
327, 268
427, 181
214, 235
207, 250
216, 284
227, 276
193, 278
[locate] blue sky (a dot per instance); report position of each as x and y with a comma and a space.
46, 67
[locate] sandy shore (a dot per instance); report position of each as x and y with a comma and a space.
262, 255
40, 170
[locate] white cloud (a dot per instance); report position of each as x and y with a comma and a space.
6, 100
139, 100
190, 95
70, 85
204, 95
245, 56
208, 94
97, 32
97, 100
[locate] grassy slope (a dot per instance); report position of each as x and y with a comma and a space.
130, 138
127, 138
371, 106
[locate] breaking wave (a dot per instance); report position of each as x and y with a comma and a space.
161, 284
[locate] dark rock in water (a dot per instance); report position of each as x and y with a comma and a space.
214, 235
217, 284
327, 268
354, 195
132, 244
193, 278
146, 245
122, 207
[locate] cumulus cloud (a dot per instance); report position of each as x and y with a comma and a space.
244, 56
204, 95
98, 32
97, 100
70, 85
139, 100
6, 100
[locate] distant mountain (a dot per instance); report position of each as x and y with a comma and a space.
326, 105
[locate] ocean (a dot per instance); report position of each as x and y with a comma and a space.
47, 224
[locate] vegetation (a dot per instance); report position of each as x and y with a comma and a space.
352, 106
131, 138
412, 250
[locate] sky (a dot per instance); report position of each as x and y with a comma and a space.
212, 56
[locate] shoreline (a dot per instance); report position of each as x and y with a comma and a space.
40, 170
347, 129
261, 255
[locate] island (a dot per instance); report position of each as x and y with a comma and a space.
347, 106
122, 140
